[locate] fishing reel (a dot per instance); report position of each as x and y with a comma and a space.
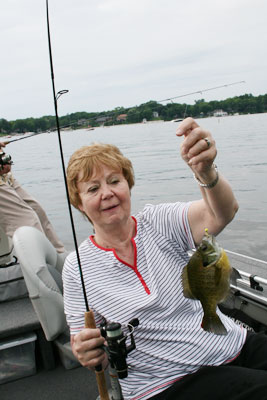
5, 159
116, 348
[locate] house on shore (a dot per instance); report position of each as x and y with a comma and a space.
121, 117
219, 113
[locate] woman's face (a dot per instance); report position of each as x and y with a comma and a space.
105, 198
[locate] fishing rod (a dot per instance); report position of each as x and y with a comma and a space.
89, 316
23, 137
39, 133
116, 347
201, 91
109, 115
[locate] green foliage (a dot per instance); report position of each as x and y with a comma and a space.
246, 104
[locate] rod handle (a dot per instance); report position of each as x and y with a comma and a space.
89, 320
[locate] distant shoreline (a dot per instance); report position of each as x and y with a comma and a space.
12, 136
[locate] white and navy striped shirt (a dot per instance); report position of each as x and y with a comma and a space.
170, 342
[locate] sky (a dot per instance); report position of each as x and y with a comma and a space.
122, 53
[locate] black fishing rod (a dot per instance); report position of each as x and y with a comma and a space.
23, 137
89, 316
39, 133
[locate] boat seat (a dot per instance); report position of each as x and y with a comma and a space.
6, 248
12, 285
42, 266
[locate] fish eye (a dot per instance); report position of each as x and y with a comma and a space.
204, 247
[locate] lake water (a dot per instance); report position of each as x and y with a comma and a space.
161, 174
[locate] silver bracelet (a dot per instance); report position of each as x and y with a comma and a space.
211, 184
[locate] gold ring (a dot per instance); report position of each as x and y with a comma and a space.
208, 142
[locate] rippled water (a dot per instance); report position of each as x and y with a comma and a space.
161, 175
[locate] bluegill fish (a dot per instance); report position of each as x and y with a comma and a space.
206, 278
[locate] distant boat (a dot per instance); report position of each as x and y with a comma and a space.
176, 120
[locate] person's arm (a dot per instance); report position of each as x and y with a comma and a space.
218, 204
86, 347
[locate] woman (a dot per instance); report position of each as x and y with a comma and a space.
132, 269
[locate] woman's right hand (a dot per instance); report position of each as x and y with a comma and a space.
86, 346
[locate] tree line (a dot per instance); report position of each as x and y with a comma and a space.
152, 110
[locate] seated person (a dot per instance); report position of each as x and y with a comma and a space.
19, 208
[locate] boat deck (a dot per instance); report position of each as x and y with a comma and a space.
54, 382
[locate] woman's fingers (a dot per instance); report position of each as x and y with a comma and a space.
186, 127
198, 148
195, 142
87, 347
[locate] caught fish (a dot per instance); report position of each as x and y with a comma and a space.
206, 278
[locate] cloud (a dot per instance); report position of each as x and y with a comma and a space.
112, 53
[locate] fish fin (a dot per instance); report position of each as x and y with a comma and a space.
229, 300
185, 284
213, 324
234, 276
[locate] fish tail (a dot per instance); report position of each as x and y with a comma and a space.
213, 324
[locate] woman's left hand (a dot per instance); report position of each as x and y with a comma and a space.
198, 148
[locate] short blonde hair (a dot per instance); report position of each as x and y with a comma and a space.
88, 159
